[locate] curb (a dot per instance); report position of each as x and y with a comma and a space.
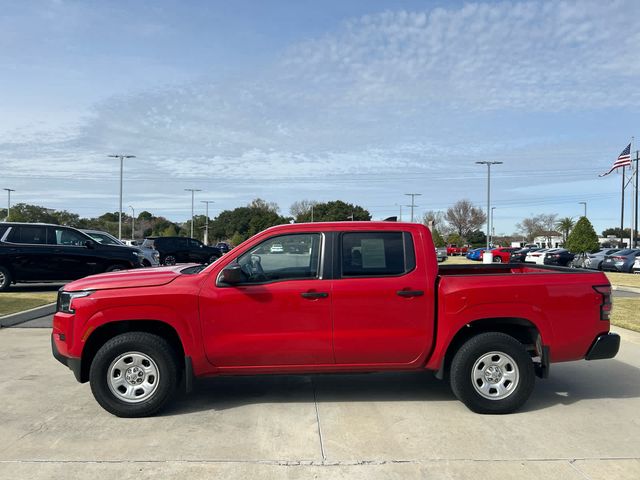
626, 289
21, 317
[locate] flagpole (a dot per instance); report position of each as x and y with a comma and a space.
622, 211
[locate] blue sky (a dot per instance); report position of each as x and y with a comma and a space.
288, 100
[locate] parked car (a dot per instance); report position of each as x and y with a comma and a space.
488, 329
621, 261
519, 255
39, 252
453, 249
501, 254
223, 247
174, 250
276, 248
560, 256
475, 253
441, 254
594, 260
636, 266
536, 256
151, 255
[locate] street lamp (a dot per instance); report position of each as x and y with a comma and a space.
488, 164
585, 207
493, 228
193, 191
133, 223
121, 157
206, 225
9, 190
413, 204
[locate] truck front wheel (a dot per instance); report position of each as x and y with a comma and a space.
492, 373
134, 374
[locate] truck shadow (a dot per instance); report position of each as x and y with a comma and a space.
569, 383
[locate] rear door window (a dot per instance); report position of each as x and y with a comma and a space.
376, 254
28, 234
67, 237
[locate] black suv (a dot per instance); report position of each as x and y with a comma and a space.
36, 252
182, 250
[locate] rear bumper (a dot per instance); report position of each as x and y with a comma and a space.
604, 346
73, 363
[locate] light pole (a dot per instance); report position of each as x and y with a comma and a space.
206, 225
9, 190
121, 157
493, 228
488, 164
413, 204
133, 223
585, 207
193, 191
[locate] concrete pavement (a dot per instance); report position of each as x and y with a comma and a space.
581, 423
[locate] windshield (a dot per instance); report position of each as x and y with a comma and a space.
104, 238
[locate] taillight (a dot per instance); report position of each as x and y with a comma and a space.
619, 258
606, 305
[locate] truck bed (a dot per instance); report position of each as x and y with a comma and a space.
506, 269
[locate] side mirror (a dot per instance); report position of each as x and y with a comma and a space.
89, 244
232, 274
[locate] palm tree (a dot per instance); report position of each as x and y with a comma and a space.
565, 225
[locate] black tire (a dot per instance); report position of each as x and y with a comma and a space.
5, 279
169, 260
146, 263
160, 389
115, 268
504, 391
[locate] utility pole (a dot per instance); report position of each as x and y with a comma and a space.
193, 191
9, 190
488, 164
413, 204
493, 228
585, 207
133, 223
206, 225
121, 157
312, 213
635, 228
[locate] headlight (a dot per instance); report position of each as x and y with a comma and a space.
65, 300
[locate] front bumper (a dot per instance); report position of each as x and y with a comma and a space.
604, 346
75, 364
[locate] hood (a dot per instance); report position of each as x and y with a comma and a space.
143, 277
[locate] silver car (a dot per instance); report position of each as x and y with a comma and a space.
594, 260
151, 256
441, 254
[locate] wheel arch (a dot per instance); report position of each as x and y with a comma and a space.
523, 330
107, 331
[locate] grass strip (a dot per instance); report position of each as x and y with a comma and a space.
18, 302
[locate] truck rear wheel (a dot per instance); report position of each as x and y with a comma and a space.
492, 373
5, 279
134, 374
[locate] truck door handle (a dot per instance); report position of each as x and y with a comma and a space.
314, 294
410, 293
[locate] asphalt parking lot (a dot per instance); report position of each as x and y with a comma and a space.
581, 423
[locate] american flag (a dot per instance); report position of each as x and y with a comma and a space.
624, 160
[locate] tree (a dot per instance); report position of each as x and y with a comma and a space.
437, 238
477, 238
454, 239
548, 222
530, 227
301, 210
246, 221
465, 218
565, 225
435, 219
583, 238
338, 210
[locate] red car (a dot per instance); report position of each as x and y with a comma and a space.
501, 254
453, 249
362, 297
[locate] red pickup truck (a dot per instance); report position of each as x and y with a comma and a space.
344, 297
453, 249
